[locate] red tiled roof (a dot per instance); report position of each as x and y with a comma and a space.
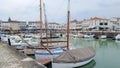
96, 18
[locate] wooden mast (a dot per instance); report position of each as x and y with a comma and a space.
68, 23
41, 21
46, 25
41, 28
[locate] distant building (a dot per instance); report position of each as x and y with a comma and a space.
96, 24
79, 26
15, 25
85, 24
54, 25
34, 23
22, 25
5, 25
73, 25
116, 23
92, 24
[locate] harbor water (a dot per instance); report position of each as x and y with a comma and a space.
107, 52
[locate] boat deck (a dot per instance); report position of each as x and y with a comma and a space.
11, 58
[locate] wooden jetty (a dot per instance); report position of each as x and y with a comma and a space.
11, 58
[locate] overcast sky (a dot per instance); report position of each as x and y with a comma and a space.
56, 10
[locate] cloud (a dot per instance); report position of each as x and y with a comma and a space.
56, 10
21, 4
20, 9
100, 8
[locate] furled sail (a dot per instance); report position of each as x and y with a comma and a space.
76, 55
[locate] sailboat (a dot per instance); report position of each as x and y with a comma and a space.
73, 57
47, 51
66, 58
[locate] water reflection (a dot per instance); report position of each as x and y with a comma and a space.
106, 50
89, 65
117, 41
102, 43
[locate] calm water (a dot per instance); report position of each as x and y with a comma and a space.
107, 52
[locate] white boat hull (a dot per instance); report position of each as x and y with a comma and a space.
43, 54
103, 36
88, 36
4, 39
117, 37
70, 65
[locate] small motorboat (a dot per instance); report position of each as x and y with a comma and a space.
117, 37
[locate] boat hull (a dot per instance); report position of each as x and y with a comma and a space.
88, 36
117, 37
103, 37
70, 65
43, 54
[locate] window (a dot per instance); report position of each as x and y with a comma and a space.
105, 23
101, 23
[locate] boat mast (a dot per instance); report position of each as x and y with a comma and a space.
41, 28
68, 23
41, 21
45, 23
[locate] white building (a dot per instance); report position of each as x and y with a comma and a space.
33, 25
22, 24
79, 26
54, 25
5, 25
97, 24
85, 24
15, 25
116, 23
73, 24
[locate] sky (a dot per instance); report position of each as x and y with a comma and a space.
56, 10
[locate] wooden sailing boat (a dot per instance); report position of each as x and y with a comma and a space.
46, 51
75, 57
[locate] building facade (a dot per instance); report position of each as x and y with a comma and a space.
97, 24
116, 23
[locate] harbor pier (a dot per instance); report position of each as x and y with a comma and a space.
11, 58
